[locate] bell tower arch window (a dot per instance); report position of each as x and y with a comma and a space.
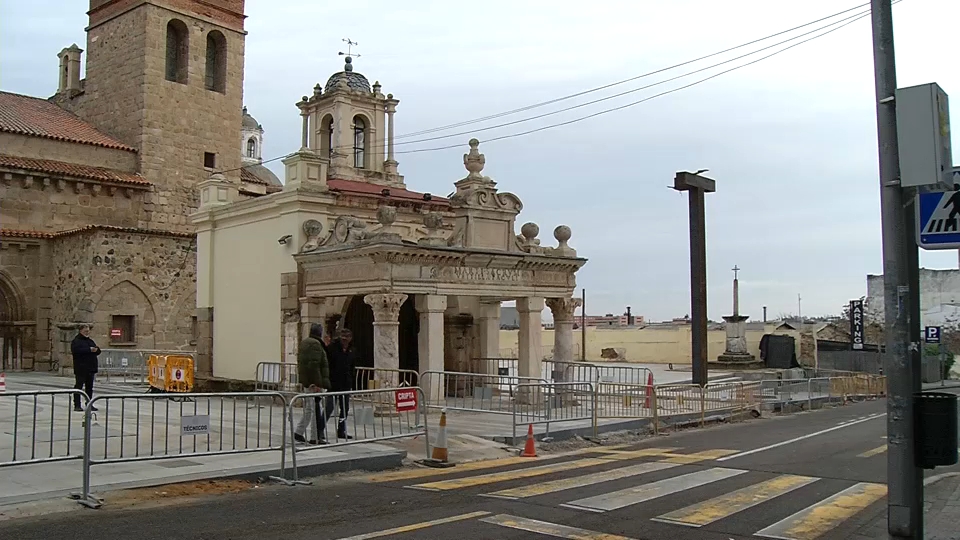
177, 51
216, 68
326, 137
251, 147
360, 142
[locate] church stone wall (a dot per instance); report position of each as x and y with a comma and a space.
50, 209
99, 274
80, 154
20, 270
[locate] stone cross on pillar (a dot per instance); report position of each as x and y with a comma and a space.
736, 291
736, 352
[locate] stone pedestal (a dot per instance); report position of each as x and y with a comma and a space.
430, 310
735, 352
386, 344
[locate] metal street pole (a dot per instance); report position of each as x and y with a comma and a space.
583, 324
900, 295
698, 186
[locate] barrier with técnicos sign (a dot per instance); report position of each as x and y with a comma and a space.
195, 425
405, 400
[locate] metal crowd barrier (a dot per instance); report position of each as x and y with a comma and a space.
370, 378
617, 400
494, 366
547, 402
474, 392
277, 377
210, 424
42, 428
372, 415
127, 365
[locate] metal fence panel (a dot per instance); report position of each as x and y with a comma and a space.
140, 427
475, 392
371, 416
554, 402
277, 377
38, 427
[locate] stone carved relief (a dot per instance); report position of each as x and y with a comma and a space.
479, 191
386, 306
563, 309
313, 229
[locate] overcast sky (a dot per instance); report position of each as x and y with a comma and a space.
791, 140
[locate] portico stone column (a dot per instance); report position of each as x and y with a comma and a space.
530, 355
563, 310
430, 309
488, 321
386, 335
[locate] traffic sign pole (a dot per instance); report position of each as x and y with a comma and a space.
900, 295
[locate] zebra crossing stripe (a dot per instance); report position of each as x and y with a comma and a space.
707, 512
655, 490
549, 529
533, 490
482, 479
813, 521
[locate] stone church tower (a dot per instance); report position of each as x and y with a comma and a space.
97, 182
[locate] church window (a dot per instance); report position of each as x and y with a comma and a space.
210, 160
177, 37
251, 147
216, 71
326, 136
359, 142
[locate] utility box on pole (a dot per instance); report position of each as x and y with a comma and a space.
923, 136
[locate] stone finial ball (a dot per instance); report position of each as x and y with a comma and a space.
386, 215
530, 230
562, 233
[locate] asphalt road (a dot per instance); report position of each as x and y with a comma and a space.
818, 475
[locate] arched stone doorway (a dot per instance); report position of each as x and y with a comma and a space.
11, 336
359, 319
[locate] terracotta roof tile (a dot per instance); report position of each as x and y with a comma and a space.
27, 115
247, 176
71, 169
353, 187
15, 233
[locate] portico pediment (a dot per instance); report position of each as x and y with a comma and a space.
436, 270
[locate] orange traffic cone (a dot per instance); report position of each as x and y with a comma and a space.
530, 449
440, 445
649, 390
3, 382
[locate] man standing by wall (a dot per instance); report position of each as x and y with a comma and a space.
314, 373
85, 364
342, 362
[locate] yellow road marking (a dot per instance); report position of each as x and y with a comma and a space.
814, 521
549, 529
491, 478
417, 526
699, 456
706, 512
875, 451
486, 464
623, 455
533, 490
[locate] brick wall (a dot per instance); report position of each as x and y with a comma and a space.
99, 274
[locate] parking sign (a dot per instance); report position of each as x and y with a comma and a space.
931, 334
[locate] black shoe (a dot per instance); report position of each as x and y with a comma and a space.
299, 438
78, 409
94, 409
344, 436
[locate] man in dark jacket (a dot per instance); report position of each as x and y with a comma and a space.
85, 364
314, 373
342, 362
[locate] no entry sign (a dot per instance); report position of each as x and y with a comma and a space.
405, 400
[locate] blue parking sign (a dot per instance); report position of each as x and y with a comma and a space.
931, 334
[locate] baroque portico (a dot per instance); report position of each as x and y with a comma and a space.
417, 278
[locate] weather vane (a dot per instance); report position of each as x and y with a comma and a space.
350, 45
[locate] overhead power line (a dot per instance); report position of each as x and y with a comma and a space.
624, 81
845, 22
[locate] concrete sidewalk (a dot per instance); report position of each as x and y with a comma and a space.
941, 512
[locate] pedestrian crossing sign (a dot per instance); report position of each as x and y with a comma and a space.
938, 220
